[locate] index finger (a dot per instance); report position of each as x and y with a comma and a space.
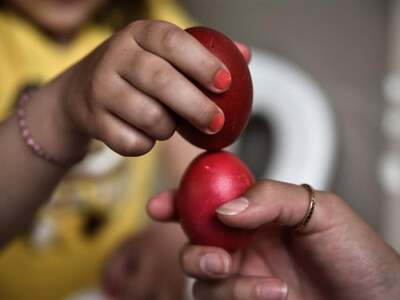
162, 207
184, 52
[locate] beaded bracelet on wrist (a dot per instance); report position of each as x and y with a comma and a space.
32, 143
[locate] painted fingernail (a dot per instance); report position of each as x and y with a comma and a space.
272, 289
234, 207
214, 264
222, 79
217, 123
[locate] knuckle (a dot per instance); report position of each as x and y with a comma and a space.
153, 114
154, 27
205, 112
211, 64
128, 146
150, 31
155, 120
139, 146
165, 129
134, 146
146, 146
155, 69
144, 61
119, 44
115, 39
266, 186
190, 262
106, 53
171, 37
136, 25
167, 132
157, 28
161, 77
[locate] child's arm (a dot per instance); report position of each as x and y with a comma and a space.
125, 93
26, 180
177, 155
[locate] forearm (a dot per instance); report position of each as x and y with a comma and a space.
27, 181
171, 150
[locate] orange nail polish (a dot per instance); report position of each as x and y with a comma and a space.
222, 79
217, 123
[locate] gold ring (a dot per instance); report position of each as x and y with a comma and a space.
311, 207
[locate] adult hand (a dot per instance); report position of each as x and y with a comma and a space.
336, 256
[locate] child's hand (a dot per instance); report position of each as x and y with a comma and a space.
146, 266
127, 91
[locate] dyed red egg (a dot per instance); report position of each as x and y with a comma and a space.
212, 179
235, 103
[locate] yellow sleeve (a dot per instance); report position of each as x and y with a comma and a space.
9, 79
169, 10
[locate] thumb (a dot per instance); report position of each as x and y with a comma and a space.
162, 207
282, 203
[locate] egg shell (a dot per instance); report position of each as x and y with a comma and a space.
236, 102
212, 179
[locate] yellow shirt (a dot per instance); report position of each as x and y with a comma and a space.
99, 203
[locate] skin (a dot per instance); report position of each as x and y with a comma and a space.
131, 273
336, 256
112, 95
124, 94
135, 66
60, 18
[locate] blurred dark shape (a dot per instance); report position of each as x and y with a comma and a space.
92, 223
119, 13
255, 147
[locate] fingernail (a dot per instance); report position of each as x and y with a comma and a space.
234, 207
214, 264
222, 79
217, 123
272, 289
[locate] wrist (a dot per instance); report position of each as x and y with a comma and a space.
50, 125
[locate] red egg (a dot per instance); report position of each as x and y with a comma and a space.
235, 103
212, 179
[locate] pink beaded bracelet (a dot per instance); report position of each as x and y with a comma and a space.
33, 145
